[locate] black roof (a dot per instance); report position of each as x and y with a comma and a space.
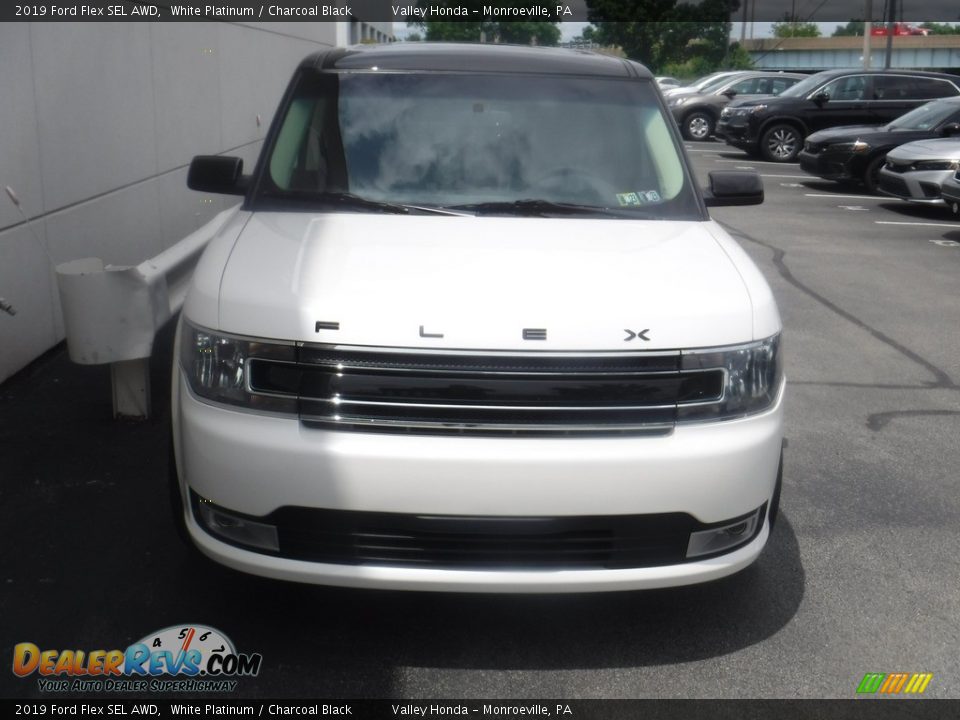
466, 57
890, 71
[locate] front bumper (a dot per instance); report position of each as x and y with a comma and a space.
736, 132
829, 166
919, 186
950, 191
255, 464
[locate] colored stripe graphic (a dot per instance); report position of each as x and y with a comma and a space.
894, 683
871, 682
918, 683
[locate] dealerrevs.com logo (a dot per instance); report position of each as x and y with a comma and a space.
197, 657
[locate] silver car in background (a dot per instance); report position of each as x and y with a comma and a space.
951, 192
916, 171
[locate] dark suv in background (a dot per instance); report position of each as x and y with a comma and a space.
697, 113
776, 127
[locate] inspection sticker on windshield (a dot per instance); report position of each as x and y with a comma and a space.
638, 198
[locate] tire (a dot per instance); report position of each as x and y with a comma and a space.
872, 173
698, 125
781, 143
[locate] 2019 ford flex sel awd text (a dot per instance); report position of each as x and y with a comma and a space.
473, 329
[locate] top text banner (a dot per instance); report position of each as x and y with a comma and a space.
839, 11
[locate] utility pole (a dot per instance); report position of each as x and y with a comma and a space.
867, 27
891, 16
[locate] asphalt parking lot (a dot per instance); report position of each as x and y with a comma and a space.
859, 576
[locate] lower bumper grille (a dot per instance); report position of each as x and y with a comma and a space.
487, 543
894, 186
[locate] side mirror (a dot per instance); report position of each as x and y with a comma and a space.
217, 174
730, 93
733, 187
950, 129
821, 98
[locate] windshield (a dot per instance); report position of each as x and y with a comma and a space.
804, 87
710, 79
429, 140
926, 117
718, 83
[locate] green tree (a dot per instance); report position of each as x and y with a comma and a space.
508, 28
738, 58
789, 27
661, 32
936, 28
854, 28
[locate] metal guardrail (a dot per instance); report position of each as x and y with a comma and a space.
112, 313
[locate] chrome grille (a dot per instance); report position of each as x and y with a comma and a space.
486, 393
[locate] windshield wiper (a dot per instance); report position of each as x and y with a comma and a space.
542, 208
349, 200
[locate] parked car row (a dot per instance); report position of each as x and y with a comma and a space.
895, 131
859, 152
697, 112
776, 127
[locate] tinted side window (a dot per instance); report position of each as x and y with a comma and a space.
852, 87
904, 87
931, 88
774, 85
745, 87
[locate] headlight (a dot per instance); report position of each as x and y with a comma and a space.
726, 112
224, 369
753, 374
754, 109
857, 146
674, 101
936, 165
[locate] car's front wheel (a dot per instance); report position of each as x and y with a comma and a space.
698, 125
781, 143
871, 176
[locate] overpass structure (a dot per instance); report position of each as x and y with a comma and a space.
933, 52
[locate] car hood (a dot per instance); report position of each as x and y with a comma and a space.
938, 149
675, 91
846, 133
478, 282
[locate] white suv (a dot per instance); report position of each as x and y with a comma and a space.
473, 329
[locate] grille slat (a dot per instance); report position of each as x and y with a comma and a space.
482, 393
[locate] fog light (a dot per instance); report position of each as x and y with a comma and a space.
238, 529
715, 540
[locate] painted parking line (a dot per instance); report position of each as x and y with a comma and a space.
792, 177
750, 160
838, 196
921, 224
